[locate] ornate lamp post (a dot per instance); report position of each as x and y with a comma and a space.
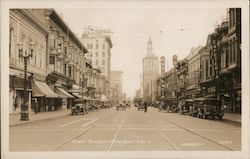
25, 54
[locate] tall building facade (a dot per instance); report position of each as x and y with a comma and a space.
116, 86
150, 71
56, 63
27, 35
193, 72
99, 51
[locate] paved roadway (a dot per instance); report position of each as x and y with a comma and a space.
130, 130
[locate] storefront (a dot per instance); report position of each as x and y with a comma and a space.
16, 92
67, 99
44, 98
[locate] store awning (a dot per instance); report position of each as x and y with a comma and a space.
77, 95
41, 89
103, 98
63, 93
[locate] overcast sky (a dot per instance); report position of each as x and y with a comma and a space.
173, 31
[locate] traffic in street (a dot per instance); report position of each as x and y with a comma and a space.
127, 130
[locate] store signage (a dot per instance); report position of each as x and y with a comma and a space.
215, 58
162, 65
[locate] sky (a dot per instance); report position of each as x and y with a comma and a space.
173, 32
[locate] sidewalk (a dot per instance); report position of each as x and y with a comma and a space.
14, 120
232, 117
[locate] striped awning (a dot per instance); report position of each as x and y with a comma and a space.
77, 95
63, 93
41, 89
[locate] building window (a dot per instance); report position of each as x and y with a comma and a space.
96, 46
96, 62
69, 71
226, 57
103, 54
103, 46
96, 54
51, 60
65, 50
103, 62
10, 42
65, 69
59, 47
210, 68
55, 43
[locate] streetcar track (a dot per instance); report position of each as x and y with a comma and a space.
192, 132
169, 141
79, 134
114, 136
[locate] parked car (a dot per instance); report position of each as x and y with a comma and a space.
184, 106
172, 105
209, 107
121, 107
140, 107
79, 108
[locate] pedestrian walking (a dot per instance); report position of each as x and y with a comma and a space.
145, 104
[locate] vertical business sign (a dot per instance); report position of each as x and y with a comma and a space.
162, 74
215, 57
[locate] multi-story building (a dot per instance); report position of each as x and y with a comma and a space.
193, 72
231, 62
57, 63
221, 61
27, 35
170, 80
66, 64
116, 86
99, 51
182, 73
150, 71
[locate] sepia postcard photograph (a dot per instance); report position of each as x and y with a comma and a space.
125, 79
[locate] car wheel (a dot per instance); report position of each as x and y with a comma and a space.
220, 117
213, 117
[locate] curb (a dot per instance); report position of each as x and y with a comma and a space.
41, 120
238, 123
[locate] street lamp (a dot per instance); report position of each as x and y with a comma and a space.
25, 54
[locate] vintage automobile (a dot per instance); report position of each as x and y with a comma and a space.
79, 108
205, 107
184, 106
140, 106
95, 104
121, 106
172, 105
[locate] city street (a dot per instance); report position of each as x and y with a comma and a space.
130, 130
